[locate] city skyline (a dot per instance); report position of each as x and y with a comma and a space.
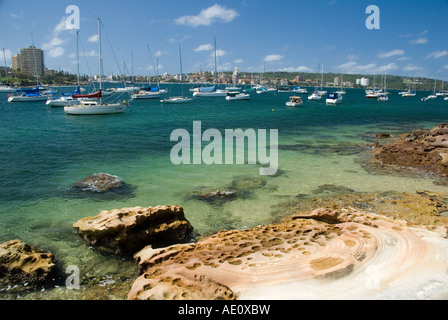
255, 36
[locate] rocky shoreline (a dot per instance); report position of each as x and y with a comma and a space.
345, 245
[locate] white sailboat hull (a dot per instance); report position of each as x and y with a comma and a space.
27, 99
240, 96
95, 109
62, 102
148, 95
176, 100
217, 93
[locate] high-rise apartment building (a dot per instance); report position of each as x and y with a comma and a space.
27, 60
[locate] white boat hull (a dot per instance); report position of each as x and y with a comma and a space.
333, 101
145, 96
27, 99
62, 102
314, 97
95, 109
218, 93
240, 96
293, 104
176, 100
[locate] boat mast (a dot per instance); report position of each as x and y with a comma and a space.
216, 71
181, 73
35, 60
77, 53
100, 60
6, 67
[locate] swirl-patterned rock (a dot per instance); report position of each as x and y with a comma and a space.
326, 254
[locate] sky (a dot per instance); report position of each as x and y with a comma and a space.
409, 38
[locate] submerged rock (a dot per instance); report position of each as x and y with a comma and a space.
125, 231
101, 182
100, 186
22, 263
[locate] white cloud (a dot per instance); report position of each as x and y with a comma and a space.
61, 26
437, 54
56, 52
298, 69
411, 67
204, 47
94, 38
16, 15
396, 52
219, 53
208, 16
273, 57
55, 42
355, 68
238, 61
445, 67
419, 40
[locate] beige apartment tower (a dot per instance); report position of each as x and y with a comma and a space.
27, 60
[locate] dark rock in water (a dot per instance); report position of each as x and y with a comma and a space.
216, 197
101, 186
332, 188
101, 182
248, 183
382, 135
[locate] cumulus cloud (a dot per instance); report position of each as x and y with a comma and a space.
355, 68
94, 38
412, 67
388, 54
206, 17
297, 69
54, 47
273, 57
419, 40
204, 47
437, 54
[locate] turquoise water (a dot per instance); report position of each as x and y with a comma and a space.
43, 152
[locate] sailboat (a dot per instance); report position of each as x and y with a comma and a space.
150, 92
214, 90
180, 99
30, 95
91, 107
67, 99
6, 88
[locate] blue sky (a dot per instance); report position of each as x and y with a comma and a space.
251, 34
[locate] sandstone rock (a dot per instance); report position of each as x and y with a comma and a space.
20, 263
326, 254
127, 230
425, 150
101, 182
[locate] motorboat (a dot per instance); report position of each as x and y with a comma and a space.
300, 90
383, 98
334, 98
315, 96
62, 101
7, 89
231, 96
212, 91
294, 101
284, 89
409, 93
66, 99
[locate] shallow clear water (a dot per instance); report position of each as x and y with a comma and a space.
43, 152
